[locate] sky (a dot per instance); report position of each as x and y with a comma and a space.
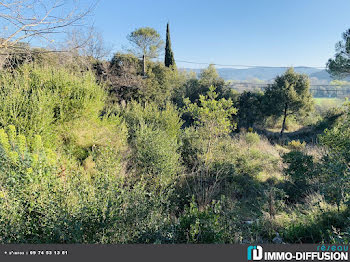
248, 32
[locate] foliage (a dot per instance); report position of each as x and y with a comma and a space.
194, 87
310, 223
252, 138
212, 118
156, 160
155, 154
335, 168
30, 188
169, 55
96, 144
211, 114
249, 109
208, 225
42, 204
237, 168
296, 145
35, 100
160, 83
288, 95
125, 81
146, 41
210, 77
123, 77
300, 173
154, 136
166, 119
339, 65
337, 139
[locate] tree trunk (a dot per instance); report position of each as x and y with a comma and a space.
144, 65
284, 119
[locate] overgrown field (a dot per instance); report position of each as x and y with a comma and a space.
116, 157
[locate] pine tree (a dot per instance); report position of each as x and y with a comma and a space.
288, 95
169, 55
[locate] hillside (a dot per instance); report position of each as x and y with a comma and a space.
265, 73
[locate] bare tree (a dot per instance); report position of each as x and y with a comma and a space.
88, 43
25, 20
96, 47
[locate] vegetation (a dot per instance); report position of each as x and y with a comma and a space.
104, 154
339, 65
288, 95
169, 55
146, 42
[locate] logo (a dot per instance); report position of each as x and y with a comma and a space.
254, 253
323, 253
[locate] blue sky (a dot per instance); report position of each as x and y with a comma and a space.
251, 32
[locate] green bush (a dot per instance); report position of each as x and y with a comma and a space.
104, 209
335, 163
156, 154
36, 100
313, 223
164, 118
310, 222
214, 223
250, 109
126, 82
154, 137
20, 161
296, 145
96, 144
300, 172
31, 190
40, 203
252, 138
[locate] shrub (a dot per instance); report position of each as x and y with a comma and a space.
212, 120
155, 154
252, 138
36, 100
190, 147
104, 209
39, 203
335, 163
154, 136
31, 190
97, 144
166, 119
212, 224
300, 171
296, 145
250, 109
213, 115
312, 223
20, 161
127, 83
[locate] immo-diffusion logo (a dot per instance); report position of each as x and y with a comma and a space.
322, 253
255, 253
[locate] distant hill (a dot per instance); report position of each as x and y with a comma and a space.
321, 75
265, 73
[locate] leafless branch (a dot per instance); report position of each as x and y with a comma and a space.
31, 19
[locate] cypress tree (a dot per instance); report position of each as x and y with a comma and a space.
169, 55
